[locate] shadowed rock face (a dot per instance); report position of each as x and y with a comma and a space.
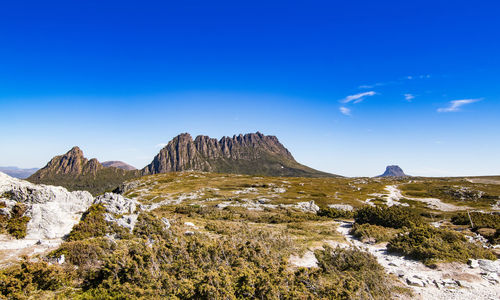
252, 153
71, 163
393, 171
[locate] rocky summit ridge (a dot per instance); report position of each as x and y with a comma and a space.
253, 153
74, 171
72, 162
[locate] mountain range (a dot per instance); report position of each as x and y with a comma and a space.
253, 154
18, 172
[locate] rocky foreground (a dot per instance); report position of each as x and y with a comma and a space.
51, 214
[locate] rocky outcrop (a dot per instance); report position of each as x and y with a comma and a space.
252, 153
52, 210
120, 210
393, 171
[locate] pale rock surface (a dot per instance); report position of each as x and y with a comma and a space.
346, 207
308, 260
53, 210
120, 210
308, 206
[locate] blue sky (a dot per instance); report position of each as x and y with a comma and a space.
348, 86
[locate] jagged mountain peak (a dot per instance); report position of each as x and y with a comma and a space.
251, 153
74, 171
72, 162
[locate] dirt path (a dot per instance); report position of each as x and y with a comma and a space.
448, 281
394, 195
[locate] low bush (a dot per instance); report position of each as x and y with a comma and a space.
17, 227
17, 224
479, 219
431, 245
368, 232
20, 281
394, 216
235, 213
485, 224
355, 274
93, 224
335, 213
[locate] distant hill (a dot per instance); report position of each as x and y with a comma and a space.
393, 171
18, 172
118, 164
253, 153
75, 172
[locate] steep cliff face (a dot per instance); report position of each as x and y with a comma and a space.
252, 153
75, 172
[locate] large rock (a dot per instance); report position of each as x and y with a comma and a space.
120, 210
53, 210
393, 171
308, 206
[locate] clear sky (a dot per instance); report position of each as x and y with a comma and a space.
347, 86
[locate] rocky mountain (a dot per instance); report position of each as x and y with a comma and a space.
18, 172
393, 171
252, 153
118, 164
75, 172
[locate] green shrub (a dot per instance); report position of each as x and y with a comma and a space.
148, 226
92, 224
366, 232
357, 274
485, 224
480, 220
17, 224
17, 227
432, 245
20, 281
394, 216
335, 213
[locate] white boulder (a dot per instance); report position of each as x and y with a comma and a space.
53, 210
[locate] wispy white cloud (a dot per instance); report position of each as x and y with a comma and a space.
456, 104
356, 98
161, 145
371, 86
409, 97
411, 77
344, 110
